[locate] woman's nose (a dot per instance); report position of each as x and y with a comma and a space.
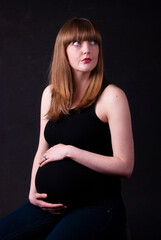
86, 48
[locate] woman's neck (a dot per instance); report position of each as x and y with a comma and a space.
80, 83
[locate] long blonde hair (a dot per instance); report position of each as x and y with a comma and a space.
76, 29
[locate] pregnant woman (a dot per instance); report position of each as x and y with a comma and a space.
85, 147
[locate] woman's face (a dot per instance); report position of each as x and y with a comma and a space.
83, 56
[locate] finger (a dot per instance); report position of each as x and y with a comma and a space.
54, 211
43, 159
41, 195
44, 163
50, 205
54, 208
57, 211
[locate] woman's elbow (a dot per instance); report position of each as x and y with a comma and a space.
128, 173
129, 169
126, 166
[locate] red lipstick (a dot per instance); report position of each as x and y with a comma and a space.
86, 60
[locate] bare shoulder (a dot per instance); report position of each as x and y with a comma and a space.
46, 100
47, 92
112, 100
113, 94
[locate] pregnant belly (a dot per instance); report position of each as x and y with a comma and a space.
65, 181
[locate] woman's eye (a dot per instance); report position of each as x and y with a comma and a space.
76, 43
93, 42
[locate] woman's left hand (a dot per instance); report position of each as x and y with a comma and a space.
55, 153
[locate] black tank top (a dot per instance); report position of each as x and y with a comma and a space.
67, 181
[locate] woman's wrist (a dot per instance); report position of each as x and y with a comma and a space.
70, 150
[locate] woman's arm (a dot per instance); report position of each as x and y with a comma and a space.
42, 146
113, 107
34, 197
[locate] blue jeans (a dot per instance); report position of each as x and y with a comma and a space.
105, 220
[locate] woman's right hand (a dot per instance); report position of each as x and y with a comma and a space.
37, 200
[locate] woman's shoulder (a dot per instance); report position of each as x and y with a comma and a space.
46, 95
111, 99
46, 99
47, 90
112, 93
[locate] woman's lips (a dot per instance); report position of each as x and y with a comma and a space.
86, 60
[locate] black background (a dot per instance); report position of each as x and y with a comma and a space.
131, 44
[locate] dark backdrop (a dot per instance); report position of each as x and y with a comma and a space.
131, 44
